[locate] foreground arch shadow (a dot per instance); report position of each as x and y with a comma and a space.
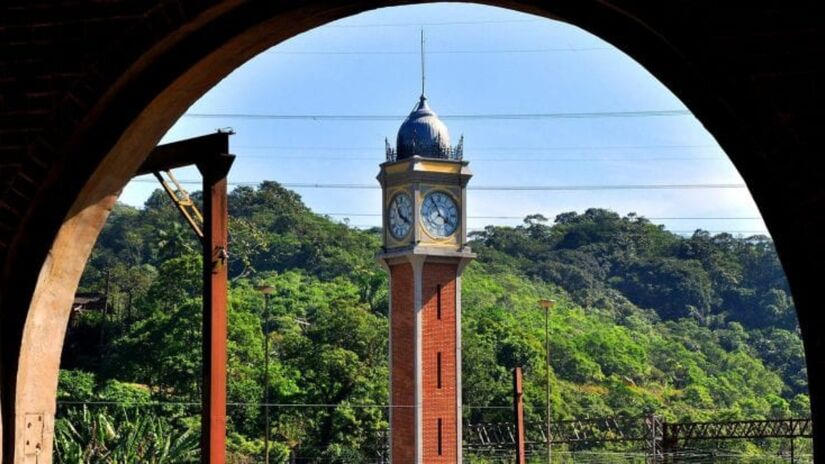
751, 74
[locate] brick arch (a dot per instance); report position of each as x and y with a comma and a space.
87, 91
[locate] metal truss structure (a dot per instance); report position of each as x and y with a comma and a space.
574, 431
655, 441
726, 430
655, 436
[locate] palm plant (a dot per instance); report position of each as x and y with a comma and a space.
85, 437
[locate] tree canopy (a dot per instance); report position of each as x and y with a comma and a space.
644, 321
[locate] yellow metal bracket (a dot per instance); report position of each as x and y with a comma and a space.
183, 202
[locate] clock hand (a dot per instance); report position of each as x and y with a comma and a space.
440, 213
437, 208
401, 215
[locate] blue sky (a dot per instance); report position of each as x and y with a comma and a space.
480, 60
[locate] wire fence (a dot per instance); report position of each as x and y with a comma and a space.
594, 441
631, 457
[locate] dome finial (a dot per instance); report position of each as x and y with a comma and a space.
423, 73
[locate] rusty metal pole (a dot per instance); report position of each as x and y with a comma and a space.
266, 380
548, 305
267, 291
793, 454
518, 409
547, 380
215, 288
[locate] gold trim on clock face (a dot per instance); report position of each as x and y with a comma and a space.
400, 215
439, 214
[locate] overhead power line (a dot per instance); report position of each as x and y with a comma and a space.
592, 153
436, 23
374, 159
302, 185
501, 51
652, 218
255, 404
719, 231
593, 149
543, 187
704, 218
549, 159
680, 232
455, 117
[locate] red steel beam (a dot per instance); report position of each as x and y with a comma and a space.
186, 152
215, 287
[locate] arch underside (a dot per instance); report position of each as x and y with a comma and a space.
749, 73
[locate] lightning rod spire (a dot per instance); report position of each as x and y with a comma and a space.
423, 73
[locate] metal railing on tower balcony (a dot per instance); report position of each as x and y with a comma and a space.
435, 150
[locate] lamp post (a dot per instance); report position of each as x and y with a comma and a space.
547, 305
267, 291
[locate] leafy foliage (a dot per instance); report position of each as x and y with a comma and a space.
86, 437
644, 321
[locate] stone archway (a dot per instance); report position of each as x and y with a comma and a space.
750, 73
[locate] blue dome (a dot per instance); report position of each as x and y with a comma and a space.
423, 134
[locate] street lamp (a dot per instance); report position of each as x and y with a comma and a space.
267, 291
547, 305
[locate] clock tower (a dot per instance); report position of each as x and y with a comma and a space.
424, 251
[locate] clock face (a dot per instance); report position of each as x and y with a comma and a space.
439, 214
401, 215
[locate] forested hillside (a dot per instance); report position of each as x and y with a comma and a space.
645, 321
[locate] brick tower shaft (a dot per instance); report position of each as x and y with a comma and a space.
425, 365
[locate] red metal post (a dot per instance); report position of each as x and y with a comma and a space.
518, 407
215, 287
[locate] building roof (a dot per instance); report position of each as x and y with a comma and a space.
423, 134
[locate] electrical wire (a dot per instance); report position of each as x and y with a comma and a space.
504, 51
557, 188
765, 232
436, 23
593, 153
494, 160
257, 404
455, 117
671, 218
501, 149
678, 232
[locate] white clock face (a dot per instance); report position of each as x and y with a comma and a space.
401, 215
439, 214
